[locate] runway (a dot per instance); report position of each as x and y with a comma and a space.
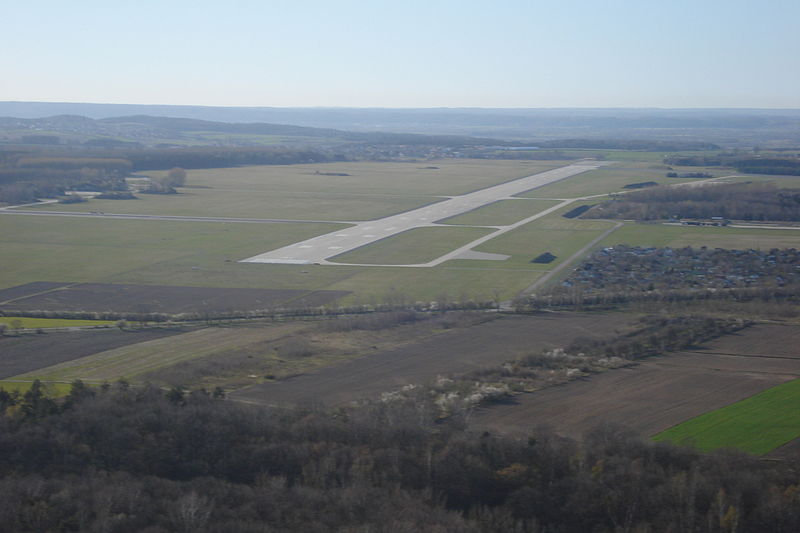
318, 250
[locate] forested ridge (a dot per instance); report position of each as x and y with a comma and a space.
121, 458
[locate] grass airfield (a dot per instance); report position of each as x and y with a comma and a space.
205, 254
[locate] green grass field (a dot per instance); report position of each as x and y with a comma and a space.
756, 425
679, 236
33, 323
418, 245
502, 213
305, 192
205, 254
51, 389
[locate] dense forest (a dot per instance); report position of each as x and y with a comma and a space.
782, 165
121, 458
737, 201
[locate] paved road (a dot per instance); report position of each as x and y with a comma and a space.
323, 247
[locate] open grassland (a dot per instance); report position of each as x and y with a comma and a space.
418, 245
635, 234
119, 298
560, 236
33, 323
502, 213
313, 192
756, 425
169, 253
205, 254
613, 179
256, 203
659, 392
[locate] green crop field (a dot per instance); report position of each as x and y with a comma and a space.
33, 323
756, 425
502, 213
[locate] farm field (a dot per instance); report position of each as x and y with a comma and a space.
659, 392
757, 425
26, 353
449, 352
131, 360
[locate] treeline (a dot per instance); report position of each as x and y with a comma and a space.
26, 175
738, 201
121, 459
625, 144
395, 308
190, 158
789, 166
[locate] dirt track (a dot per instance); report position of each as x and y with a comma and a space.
660, 392
449, 352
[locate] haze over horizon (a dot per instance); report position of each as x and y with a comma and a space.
441, 54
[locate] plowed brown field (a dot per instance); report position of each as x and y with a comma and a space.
449, 352
660, 392
27, 353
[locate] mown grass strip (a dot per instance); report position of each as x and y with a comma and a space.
51, 389
756, 425
32, 323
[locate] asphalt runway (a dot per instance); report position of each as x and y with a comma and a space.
318, 250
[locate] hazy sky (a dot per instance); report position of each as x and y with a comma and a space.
431, 53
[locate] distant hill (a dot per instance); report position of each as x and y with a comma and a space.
729, 127
151, 130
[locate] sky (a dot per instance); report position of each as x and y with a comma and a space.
432, 53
